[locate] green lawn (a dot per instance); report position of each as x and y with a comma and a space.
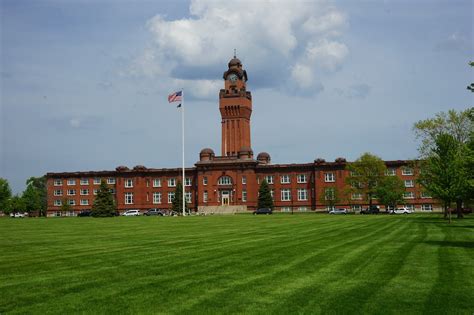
238, 264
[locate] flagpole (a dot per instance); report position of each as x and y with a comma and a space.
182, 138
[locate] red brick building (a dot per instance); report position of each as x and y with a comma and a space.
231, 179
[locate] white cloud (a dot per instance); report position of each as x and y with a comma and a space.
272, 38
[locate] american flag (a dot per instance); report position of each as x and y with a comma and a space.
175, 97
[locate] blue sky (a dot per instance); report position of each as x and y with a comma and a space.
84, 83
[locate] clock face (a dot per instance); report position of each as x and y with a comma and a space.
232, 77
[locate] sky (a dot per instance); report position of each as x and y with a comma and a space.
84, 84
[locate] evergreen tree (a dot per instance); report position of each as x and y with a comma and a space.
104, 203
265, 199
5, 195
177, 204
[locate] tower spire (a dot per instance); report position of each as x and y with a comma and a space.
235, 53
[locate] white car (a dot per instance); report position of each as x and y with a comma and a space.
338, 211
131, 213
18, 215
401, 211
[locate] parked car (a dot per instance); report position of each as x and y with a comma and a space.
371, 210
85, 213
338, 211
401, 211
154, 211
131, 213
18, 215
263, 211
463, 210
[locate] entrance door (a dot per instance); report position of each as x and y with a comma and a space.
225, 197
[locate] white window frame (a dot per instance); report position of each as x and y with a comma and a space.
128, 182
204, 196
84, 181
356, 196
71, 182
301, 178
112, 191
356, 207
58, 203
302, 194
58, 192
244, 195
409, 183
391, 171
111, 181
410, 207
95, 191
97, 181
156, 198
244, 180
286, 195
84, 192
302, 209
269, 179
157, 182
329, 177
71, 192
58, 182
224, 180
71, 202
427, 207
84, 202
204, 180
285, 179
407, 171
408, 195
187, 181
129, 198
188, 196
170, 196
285, 209
425, 195
172, 182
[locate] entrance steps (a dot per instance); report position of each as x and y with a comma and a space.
209, 210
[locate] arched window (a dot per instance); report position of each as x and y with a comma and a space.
225, 180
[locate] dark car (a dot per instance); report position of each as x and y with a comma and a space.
263, 211
370, 210
154, 211
85, 213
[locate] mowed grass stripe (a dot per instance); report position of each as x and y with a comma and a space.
246, 264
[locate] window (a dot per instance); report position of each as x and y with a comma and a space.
285, 209
95, 192
409, 183
128, 183
408, 195
244, 196
170, 197
301, 178
244, 180
302, 194
84, 192
407, 171
129, 198
285, 179
425, 194
204, 180
427, 207
187, 181
302, 209
71, 182
188, 195
329, 194
356, 196
71, 202
157, 182
285, 195
329, 208
272, 193
71, 192
84, 202
356, 207
58, 202
329, 178
410, 207
204, 196
112, 191
391, 172
269, 179
84, 181
58, 182
355, 184
58, 192
111, 181
156, 197
225, 180
171, 182
97, 181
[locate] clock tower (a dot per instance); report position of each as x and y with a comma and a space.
235, 105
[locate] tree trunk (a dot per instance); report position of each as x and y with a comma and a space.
446, 210
460, 215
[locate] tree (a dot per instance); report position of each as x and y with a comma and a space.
5, 195
104, 203
330, 197
457, 124
177, 204
445, 173
265, 199
35, 195
390, 191
365, 173
16, 204
65, 206
471, 86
